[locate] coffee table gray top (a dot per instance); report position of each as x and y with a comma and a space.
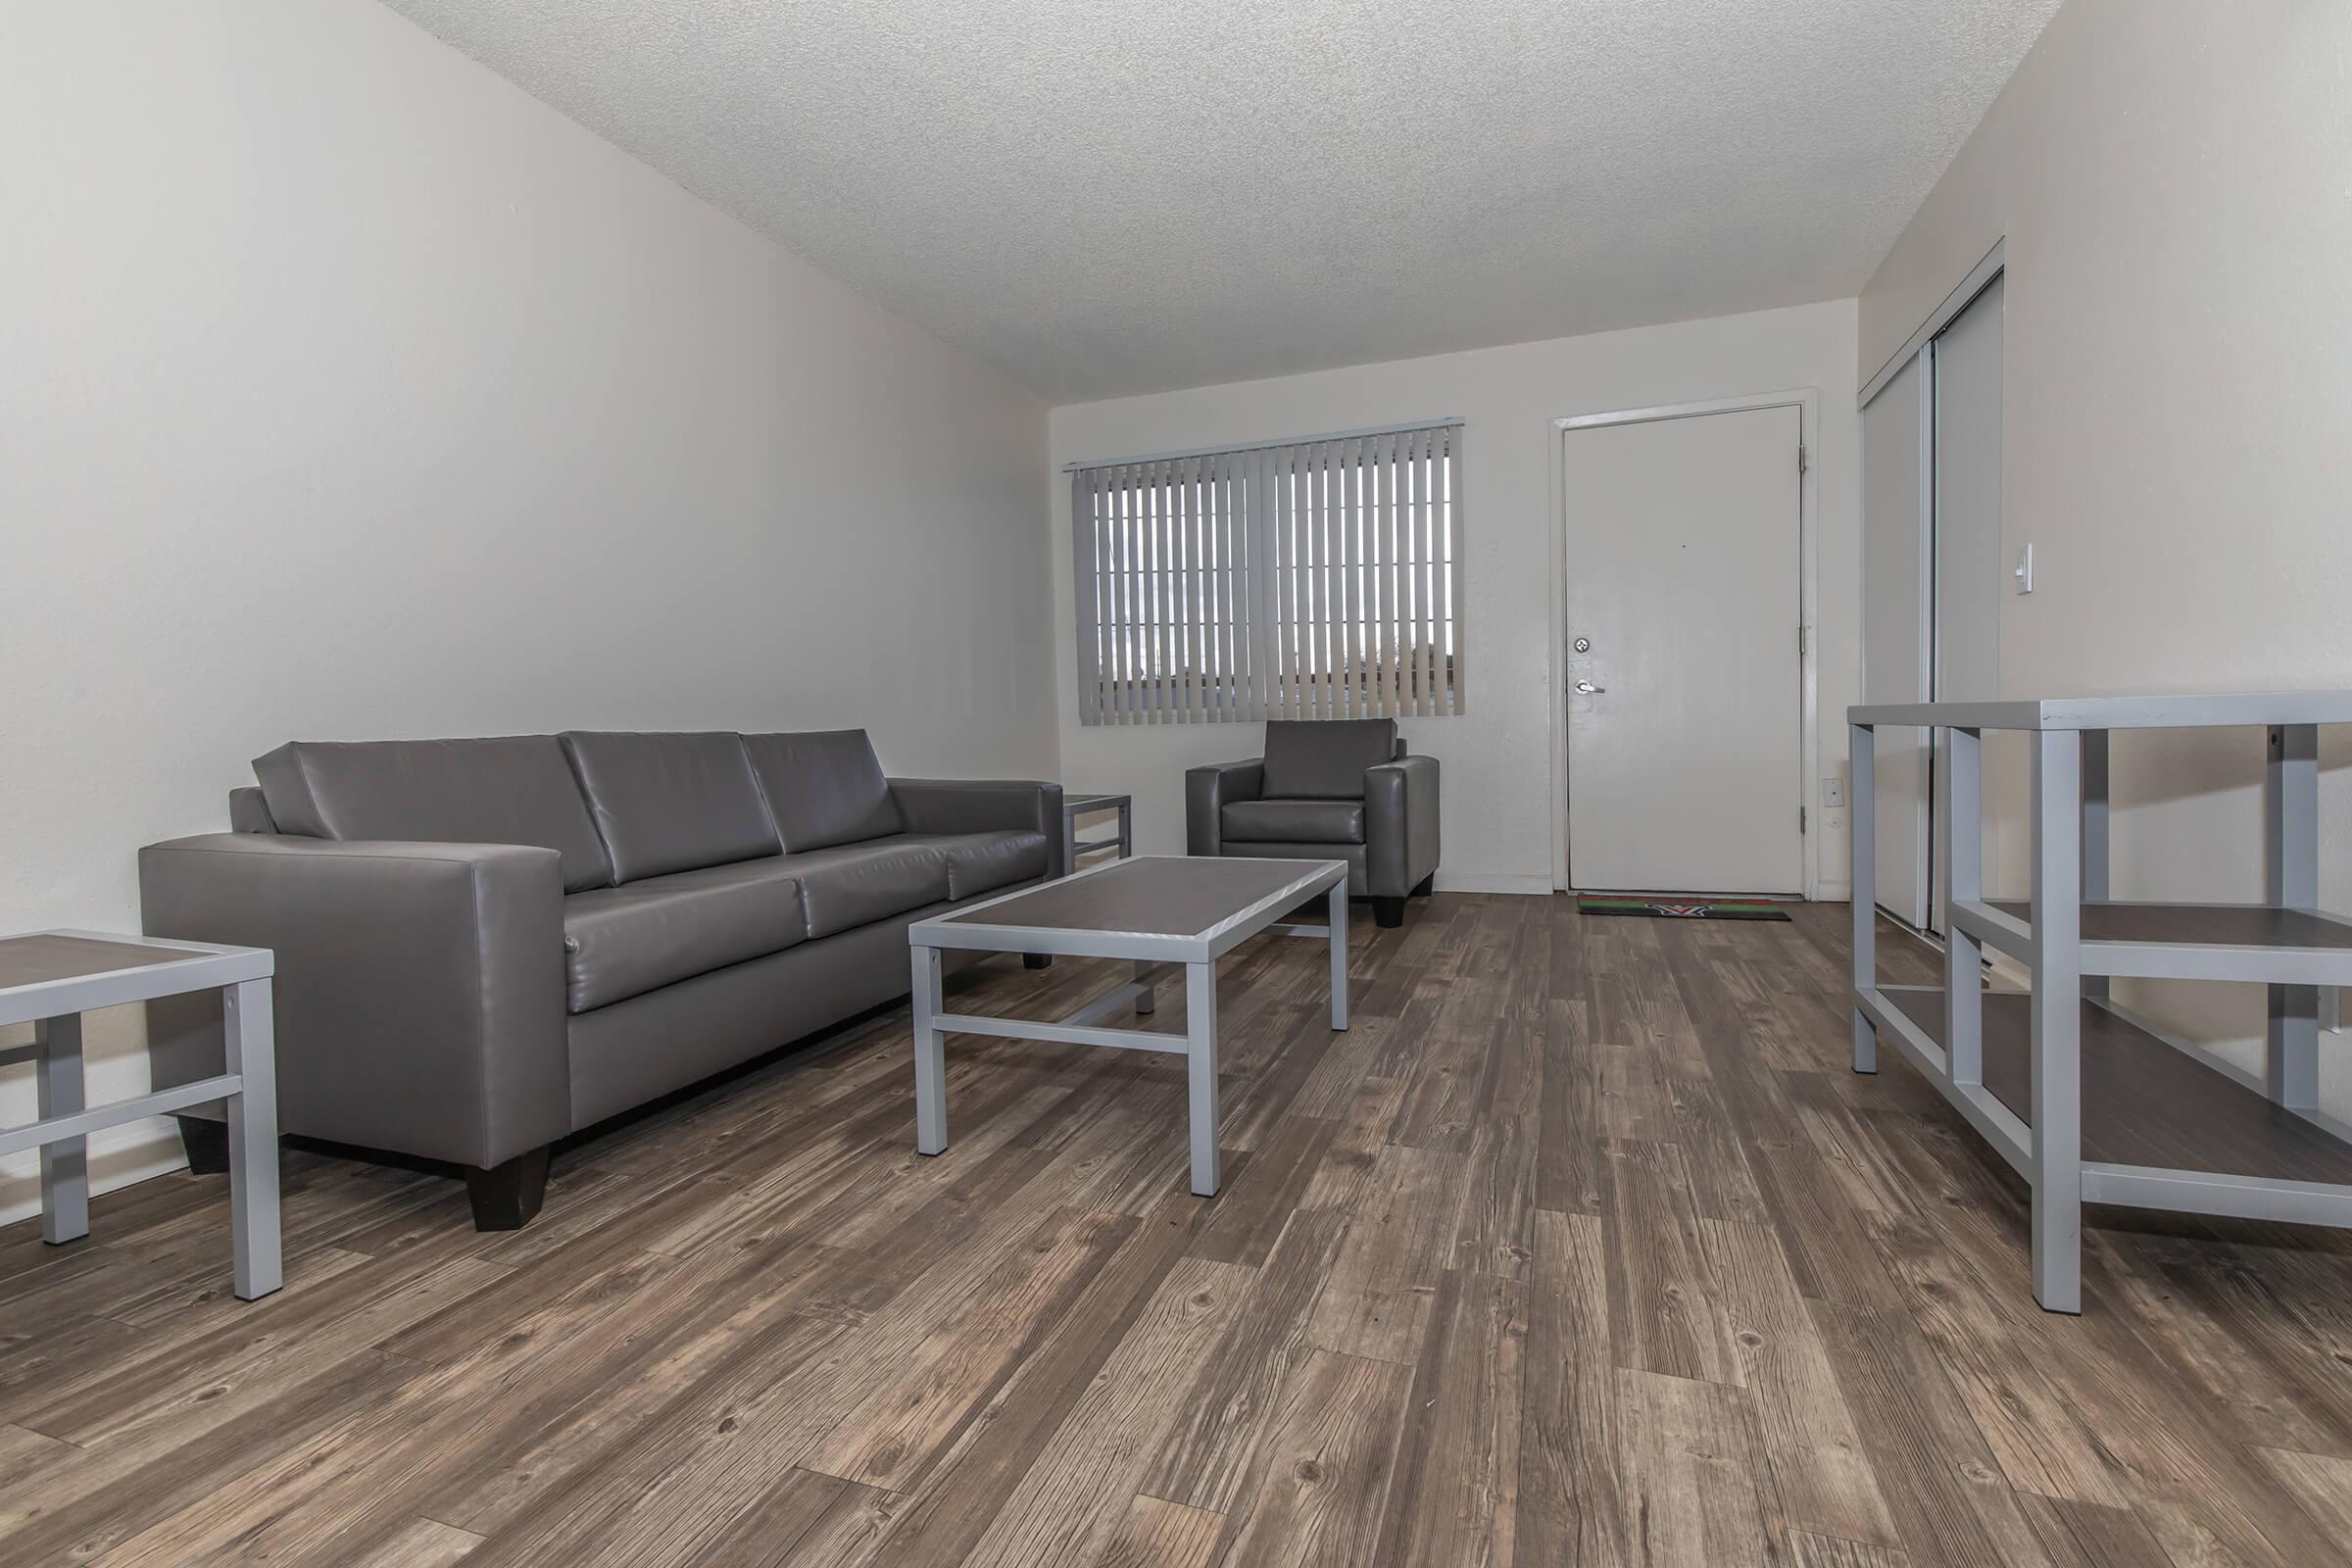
44, 974
1174, 908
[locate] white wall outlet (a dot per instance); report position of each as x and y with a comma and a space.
1832, 793
2025, 571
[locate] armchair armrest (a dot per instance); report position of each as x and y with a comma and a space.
980, 804
1400, 825
418, 993
1206, 790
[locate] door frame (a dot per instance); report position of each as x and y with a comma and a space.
1807, 403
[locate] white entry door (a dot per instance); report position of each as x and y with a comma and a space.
1684, 672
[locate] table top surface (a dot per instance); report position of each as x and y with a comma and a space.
1185, 896
1088, 801
43, 973
2191, 711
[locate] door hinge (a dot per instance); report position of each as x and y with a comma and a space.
1800, 457
1800, 638
1800, 819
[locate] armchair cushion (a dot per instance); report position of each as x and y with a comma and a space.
1325, 759
1293, 822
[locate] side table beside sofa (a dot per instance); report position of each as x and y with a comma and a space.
51, 979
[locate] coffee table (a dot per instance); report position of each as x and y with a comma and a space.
1152, 909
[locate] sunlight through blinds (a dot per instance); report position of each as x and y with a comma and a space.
1314, 580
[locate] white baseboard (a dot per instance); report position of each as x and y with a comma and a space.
118, 1156
1492, 882
1834, 893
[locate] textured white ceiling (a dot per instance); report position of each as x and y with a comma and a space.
1102, 197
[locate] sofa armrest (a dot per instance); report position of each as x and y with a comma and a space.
1206, 790
983, 804
1400, 825
418, 993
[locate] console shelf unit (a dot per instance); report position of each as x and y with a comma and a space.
2087, 1101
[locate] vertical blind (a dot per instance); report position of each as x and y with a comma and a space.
1313, 580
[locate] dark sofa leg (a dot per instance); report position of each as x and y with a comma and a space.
1426, 886
507, 1195
1037, 960
207, 1143
1387, 912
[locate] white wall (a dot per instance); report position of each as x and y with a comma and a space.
350, 392
2178, 409
1497, 758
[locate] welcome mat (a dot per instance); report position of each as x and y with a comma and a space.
1664, 907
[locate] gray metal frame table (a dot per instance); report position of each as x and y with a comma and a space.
1074, 807
50, 978
1152, 910
2077, 1093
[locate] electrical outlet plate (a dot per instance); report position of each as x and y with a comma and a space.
1832, 793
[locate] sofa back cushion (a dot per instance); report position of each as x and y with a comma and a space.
514, 789
668, 803
1325, 759
824, 787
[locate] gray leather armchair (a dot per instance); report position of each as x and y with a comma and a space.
1326, 789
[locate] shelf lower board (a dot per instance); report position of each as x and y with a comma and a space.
2214, 925
2243, 942
2144, 1103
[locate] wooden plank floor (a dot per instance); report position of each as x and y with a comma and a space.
1582, 1247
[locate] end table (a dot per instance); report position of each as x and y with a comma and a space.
1076, 806
51, 979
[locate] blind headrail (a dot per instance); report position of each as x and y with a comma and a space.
1264, 446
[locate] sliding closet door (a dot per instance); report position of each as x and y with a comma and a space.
1896, 632
1970, 575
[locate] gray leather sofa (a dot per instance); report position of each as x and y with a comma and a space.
486, 944
1327, 790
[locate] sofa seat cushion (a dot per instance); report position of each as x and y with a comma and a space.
623, 942
1292, 821
982, 863
851, 884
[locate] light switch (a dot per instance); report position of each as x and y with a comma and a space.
1832, 793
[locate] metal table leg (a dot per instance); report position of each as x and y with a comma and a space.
930, 1057
1862, 799
252, 1055
2291, 880
1200, 1070
65, 1165
2057, 1033
1963, 955
1337, 918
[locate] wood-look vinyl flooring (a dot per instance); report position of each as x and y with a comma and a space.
1582, 1245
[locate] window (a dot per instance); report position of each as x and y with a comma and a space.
1315, 579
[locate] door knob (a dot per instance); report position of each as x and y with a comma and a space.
1588, 686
